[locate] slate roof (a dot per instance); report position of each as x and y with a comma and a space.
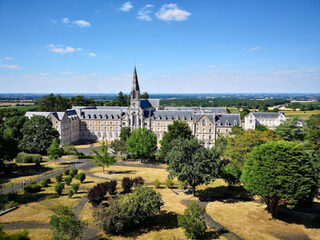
172, 115
149, 103
266, 114
198, 109
227, 120
107, 114
31, 114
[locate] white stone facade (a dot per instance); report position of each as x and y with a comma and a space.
269, 119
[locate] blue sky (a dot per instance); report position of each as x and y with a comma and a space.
204, 46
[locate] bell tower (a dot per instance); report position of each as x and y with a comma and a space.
135, 113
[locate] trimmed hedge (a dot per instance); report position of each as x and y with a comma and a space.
28, 158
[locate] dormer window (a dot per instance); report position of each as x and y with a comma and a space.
95, 116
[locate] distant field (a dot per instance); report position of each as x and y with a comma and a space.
301, 114
21, 108
233, 110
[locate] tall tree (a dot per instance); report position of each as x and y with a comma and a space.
145, 95
82, 101
190, 161
290, 131
37, 135
125, 133
238, 149
142, 143
55, 151
8, 146
280, 173
15, 124
122, 99
102, 157
53, 103
313, 132
178, 129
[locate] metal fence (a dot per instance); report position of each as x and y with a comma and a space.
86, 165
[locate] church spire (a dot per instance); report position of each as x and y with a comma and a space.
135, 90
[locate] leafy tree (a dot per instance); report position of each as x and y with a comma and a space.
125, 133
82, 101
15, 124
145, 95
313, 132
140, 205
55, 151
68, 180
8, 146
65, 225
193, 221
142, 143
280, 173
238, 149
53, 103
102, 157
244, 112
122, 99
178, 129
81, 176
236, 129
261, 128
190, 161
59, 188
290, 131
75, 187
118, 146
37, 135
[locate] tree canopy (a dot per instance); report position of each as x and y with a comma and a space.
37, 135
55, 151
142, 143
178, 129
280, 173
190, 161
290, 131
238, 149
103, 157
313, 132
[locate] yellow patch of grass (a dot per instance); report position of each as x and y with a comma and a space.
148, 174
34, 234
301, 114
251, 221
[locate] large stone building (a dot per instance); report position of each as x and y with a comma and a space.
96, 123
269, 119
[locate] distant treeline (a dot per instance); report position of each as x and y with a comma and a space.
305, 106
224, 102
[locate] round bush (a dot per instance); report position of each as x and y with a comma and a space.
59, 188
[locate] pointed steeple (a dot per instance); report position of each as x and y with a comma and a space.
135, 89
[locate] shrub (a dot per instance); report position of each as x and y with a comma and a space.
97, 193
81, 176
112, 187
85, 157
59, 177
23, 157
64, 224
71, 193
59, 188
140, 205
111, 220
156, 183
68, 180
33, 187
183, 184
193, 222
66, 172
138, 181
10, 205
45, 182
126, 184
15, 236
75, 187
169, 183
10, 167
73, 172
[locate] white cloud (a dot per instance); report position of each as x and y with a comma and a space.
171, 12
54, 48
254, 48
12, 66
144, 13
65, 20
82, 23
8, 58
68, 73
92, 54
53, 21
43, 74
213, 66
126, 7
